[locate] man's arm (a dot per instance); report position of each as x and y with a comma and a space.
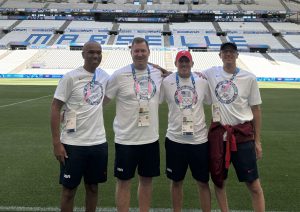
164, 72
58, 148
257, 128
106, 100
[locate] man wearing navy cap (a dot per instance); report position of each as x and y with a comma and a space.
186, 139
234, 135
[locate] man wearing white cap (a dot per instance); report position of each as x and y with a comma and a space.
186, 138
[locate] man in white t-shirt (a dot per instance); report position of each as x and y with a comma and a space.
234, 135
186, 140
80, 146
136, 90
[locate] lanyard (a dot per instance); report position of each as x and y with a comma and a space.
180, 99
94, 78
137, 86
237, 70
91, 85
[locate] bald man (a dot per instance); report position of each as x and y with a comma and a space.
78, 134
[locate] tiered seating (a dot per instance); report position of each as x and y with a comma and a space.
258, 65
243, 27
167, 6
194, 33
213, 5
59, 59
266, 39
285, 27
200, 26
266, 5
24, 4
83, 30
66, 6
294, 7
140, 26
5, 24
21, 36
205, 60
41, 24
294, 40
89, 25
166, 1
127, 31
157, 57
26, 28
3, 52
118, 7
15, 59
287, 61
116, 59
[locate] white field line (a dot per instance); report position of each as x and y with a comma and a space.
41, 209
28, 100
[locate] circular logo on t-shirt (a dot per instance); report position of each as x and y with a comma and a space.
226, 91
186, 96
93, 93
144, 88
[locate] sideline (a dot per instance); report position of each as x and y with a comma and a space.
28, 100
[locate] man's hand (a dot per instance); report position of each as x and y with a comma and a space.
164, 72
60, 152
258, 150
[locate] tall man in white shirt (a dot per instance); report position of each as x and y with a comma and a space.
136, 90
81, 146
186, 140
234, 134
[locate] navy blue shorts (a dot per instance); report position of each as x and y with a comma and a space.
181, 156
89, 162
244, 162
143, 157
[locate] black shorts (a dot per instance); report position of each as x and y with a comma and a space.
180, 156
89, 162
143, 157
244, 162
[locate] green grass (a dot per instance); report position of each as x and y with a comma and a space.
37, 81
29, 171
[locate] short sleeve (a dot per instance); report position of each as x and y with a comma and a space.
112, 86
64, 88
254, 97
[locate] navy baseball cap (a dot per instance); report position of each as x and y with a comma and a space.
228, 45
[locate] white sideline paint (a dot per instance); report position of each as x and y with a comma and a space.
28, 100
40, 209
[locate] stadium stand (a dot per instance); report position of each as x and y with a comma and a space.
50, 27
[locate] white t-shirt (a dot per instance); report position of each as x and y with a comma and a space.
234, 98
122, 87
83, 92
190, 97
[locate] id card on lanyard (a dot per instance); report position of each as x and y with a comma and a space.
187, 123
144, 119
143, 112
216, 113
187, 120
70, 118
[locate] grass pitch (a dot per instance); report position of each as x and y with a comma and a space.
29, 171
